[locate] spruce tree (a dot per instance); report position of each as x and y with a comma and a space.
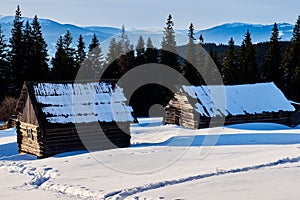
39, 52
188, 69
71, 66
29, 69
112, 53
288, 68
16, 55
119, 55
140, 51
247, 68
214, 56
126, 52
64, 65
67, 43
296, 45
294, 62
80, 51
272, 70
151, 53
59, 61
3, 65
191, 47
95, 60
229, 65
168, 53
94, 43
112, 60
3, 46
124, 43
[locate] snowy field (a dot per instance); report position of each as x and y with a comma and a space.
248, 161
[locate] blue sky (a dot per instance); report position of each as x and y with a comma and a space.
153, 13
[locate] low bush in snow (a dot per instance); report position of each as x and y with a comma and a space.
7, 108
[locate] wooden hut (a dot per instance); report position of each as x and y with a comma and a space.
60, 117
194, 107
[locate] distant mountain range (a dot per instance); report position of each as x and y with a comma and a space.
218, 34
259, 33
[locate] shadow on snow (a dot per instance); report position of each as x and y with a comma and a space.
9, 152
228, 139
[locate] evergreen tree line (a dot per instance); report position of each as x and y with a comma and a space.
24, 57
280, 63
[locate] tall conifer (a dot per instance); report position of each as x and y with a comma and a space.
64, 65
39, 52
247, 61
80, 51
94, 43
168, 53
140, 51
229, 65
272, 71
292, 64
188, 68
151, 53
3, 65
16, 55
95, 60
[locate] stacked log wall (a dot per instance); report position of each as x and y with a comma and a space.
187, 114
295, 116
54, 140
29, 139
180, 112
267, 117
172, 112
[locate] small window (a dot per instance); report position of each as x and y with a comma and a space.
29, 133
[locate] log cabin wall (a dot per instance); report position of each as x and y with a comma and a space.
295, 117
281, 117
187, 114
66, 138
172, 112
29, 135
55, 140
29, 139
180, 112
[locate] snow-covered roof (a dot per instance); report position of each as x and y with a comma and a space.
82, 102
238, 99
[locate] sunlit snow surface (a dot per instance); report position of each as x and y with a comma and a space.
153, 168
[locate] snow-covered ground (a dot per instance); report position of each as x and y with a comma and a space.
249, 161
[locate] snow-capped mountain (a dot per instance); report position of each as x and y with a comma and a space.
259, 33
218, 34
52, 30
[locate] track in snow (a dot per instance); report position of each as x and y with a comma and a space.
128, 192
41, 178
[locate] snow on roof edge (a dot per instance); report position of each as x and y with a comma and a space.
82, 102
237, 99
